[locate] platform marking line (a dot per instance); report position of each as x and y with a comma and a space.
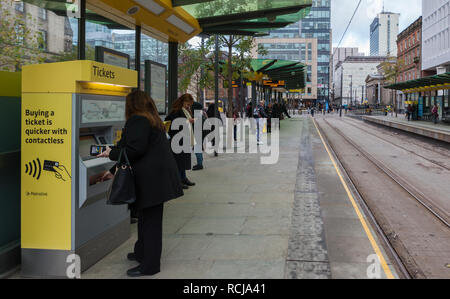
374, 244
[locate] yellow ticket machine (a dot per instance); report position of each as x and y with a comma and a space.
68, 107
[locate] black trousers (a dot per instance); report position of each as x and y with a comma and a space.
148, 247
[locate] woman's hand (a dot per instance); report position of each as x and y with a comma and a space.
192, 120
105, 154
106, 176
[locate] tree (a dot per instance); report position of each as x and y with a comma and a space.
195, 66
20, 44
392, 68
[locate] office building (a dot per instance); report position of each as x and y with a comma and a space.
436, 36
318, 25
52, 32
410, 52
351, 75
383, 34
339, 55
296, 49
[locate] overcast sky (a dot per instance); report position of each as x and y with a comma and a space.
358, 35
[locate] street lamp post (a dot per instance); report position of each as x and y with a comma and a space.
351, 90
342, 89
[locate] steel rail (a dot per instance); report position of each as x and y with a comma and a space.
424, 201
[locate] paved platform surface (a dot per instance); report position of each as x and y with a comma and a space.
439, 131
245, 220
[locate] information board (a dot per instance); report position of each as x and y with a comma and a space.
420, 107
93, 111
155, 84
112, 57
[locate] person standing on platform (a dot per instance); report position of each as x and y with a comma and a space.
249, 110
259, 115
435, 114
312, 111
156, 177
196, 106
269, 118
409, 112
181, 108
235, 122
211, 113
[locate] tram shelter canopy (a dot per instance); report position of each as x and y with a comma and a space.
292, 72
436, 82
180, 20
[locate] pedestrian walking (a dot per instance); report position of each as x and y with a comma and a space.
284, 109
181, 108
156, 177
259, 115
312, 111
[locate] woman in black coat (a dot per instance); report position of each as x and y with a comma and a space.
156, 177
181, 109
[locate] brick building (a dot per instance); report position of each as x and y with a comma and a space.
409, 47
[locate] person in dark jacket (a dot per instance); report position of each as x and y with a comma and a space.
269, 118
156, 177
249, 110
284, 109
181, 108
212, 112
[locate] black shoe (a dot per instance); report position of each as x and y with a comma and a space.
131, 256
185, 187
197, 167
136, 272
188, 183
216, 154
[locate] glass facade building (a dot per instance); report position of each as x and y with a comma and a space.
318, 25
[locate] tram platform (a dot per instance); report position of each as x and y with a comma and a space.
438, 131
243, 220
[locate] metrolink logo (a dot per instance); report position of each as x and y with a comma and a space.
103, 73
229, 136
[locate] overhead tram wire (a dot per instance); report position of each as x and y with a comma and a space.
349, 23
342, 38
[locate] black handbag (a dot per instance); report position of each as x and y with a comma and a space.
123, 189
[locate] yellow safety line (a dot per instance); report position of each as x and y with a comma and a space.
375, 247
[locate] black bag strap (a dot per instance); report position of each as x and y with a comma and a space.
123, 152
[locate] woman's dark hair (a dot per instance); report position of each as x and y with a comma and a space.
140, 103
178, 104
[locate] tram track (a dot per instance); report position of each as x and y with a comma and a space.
400, 252
408, 187
392, 253
401, 147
